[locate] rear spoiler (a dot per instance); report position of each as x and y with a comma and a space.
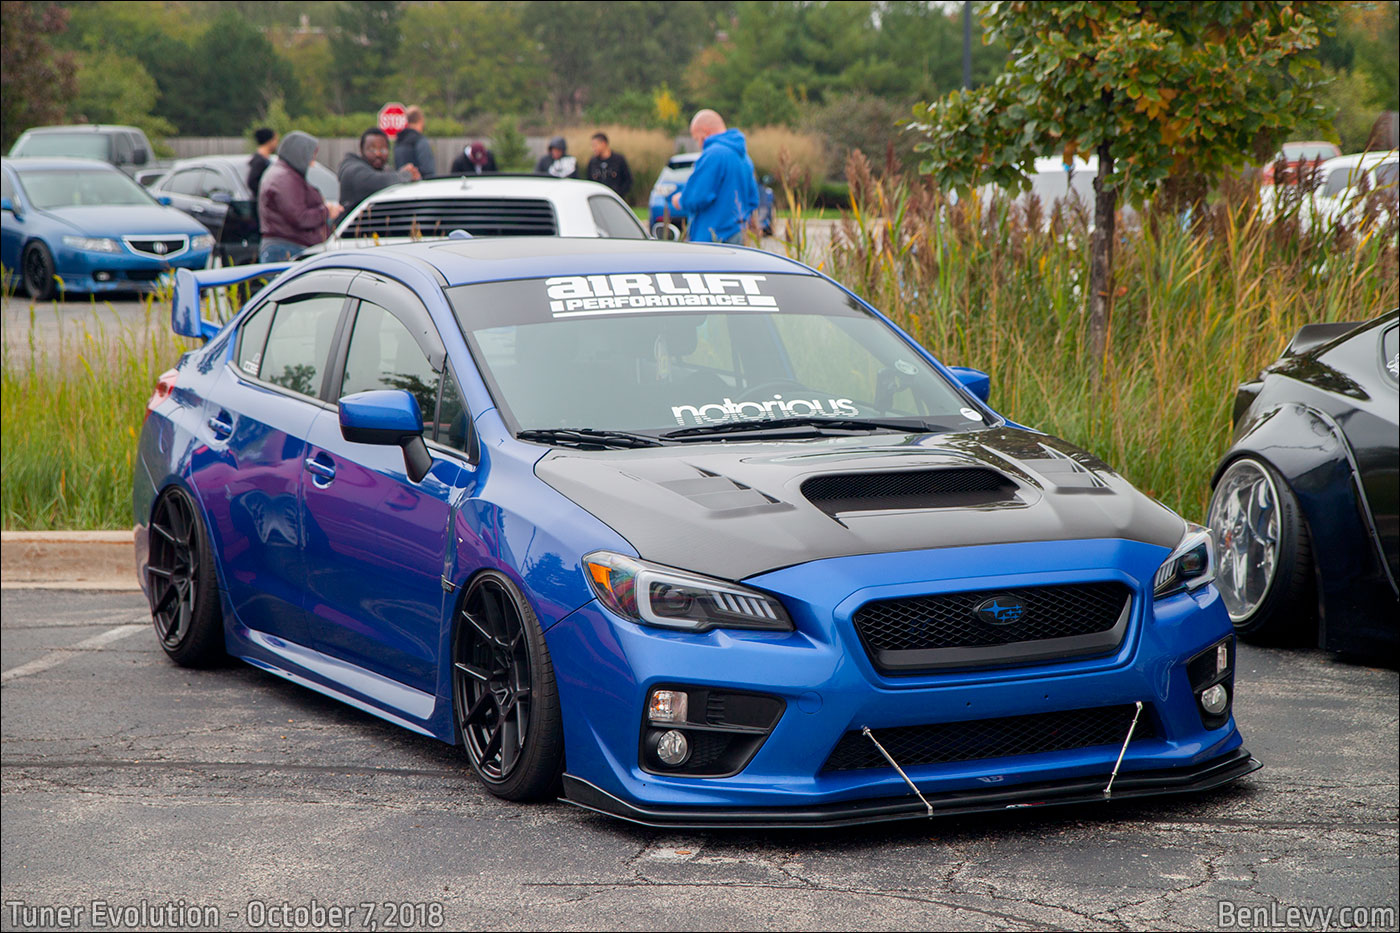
185, 317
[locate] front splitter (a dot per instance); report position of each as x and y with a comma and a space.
1129, 785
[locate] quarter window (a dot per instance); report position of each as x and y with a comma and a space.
614, 220
452, 414
252, 338
299, 343
384, 355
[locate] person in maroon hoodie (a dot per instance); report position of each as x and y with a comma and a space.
292, 215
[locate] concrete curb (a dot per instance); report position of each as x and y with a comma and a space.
68, 560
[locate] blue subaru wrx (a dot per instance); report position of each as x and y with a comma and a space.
688, 534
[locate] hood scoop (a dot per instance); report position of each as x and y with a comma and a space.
958, 487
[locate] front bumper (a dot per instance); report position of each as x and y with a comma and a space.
1203, 777
605, 668
88, 271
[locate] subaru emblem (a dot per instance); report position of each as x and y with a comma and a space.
1000, 610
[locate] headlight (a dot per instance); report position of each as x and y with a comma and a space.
203, 241
665, 188
1190, 566
656, 595
93, 244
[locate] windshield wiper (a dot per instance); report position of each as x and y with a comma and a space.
588, 438
776, 426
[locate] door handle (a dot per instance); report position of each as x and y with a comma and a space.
221, 427
324, 471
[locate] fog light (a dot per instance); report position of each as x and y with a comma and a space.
667, 706
1215, 699
672, 748
102, 276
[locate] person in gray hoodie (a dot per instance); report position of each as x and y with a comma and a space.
292, 215
362, 174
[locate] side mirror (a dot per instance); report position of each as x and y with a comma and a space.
388, 417
974, 380
5, 205
219, 196
139, 156
163, 200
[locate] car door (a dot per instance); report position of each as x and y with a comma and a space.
258, 418
376, 541
186, 188
11, 232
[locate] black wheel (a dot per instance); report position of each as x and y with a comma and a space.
37, 268
182, 585
1265, 570
506, 703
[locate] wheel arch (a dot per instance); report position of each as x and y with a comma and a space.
1321, 476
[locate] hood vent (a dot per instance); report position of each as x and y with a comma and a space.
961, 487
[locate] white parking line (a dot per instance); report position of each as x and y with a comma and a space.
58, 656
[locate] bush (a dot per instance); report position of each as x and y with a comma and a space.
870, 124
797, 161
646, 152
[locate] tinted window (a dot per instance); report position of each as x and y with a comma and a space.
1386, 173
1390, 351
614, 220
252, 338
452, 414
123, 146
1339, 180
300, 341
384, 355
188, 181
7, 190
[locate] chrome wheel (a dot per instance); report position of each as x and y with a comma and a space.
173, 570
492, 672
1244, 515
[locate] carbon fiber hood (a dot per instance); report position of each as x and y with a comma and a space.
733, 510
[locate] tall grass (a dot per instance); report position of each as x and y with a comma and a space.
1200, 306
70, 409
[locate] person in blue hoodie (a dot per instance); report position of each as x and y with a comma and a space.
721, 193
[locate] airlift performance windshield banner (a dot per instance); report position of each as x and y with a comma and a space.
566, 297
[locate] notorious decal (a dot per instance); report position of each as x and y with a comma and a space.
776, 407
585, 295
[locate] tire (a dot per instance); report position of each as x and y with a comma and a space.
504, 697
1265, 564
37, 270
182, 584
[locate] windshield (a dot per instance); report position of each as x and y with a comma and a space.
1297, 152
50, 189
655, 353
77, 145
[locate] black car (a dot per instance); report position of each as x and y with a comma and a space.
214, 190
1304, 503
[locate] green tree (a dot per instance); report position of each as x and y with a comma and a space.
115, 88
464, 59
364, 42
512, 154
594, 51
234, 73
36, 81
1150, 86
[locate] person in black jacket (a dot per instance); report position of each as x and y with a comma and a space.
476, 159
412, 146
557, 161
267, 140
364, 173
608, 167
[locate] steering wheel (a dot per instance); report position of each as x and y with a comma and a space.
765, 391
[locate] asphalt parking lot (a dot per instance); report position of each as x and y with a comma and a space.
232, 799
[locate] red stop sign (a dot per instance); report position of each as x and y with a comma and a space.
392, 118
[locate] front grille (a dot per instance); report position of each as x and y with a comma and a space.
908, 489
950, 620
157, 247
437, 217
939, 743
